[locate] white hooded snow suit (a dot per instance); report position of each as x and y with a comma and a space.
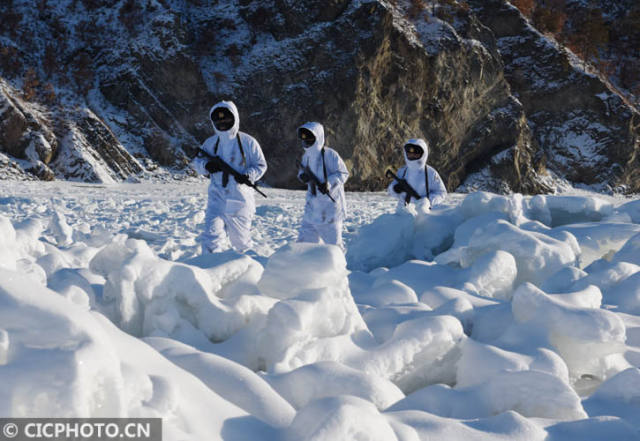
230, 208
322, 217
414, 174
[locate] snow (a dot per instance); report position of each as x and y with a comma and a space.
490, 317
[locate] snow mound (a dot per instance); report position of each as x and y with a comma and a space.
149, 296
342, 417
588, 339
59, 360
493, 317
326, 379
530, 393
391, 239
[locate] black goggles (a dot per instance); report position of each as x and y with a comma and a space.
413, 149
306, 136
222, 115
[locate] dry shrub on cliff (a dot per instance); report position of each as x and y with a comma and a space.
590, 34
48, 94
49, 61
11, 21
219, 76
10, 61
415, 8
550, 16
34, 90
82, 72
30, 83
526, 7
130, 14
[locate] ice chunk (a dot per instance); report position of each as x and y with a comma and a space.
384, 242
563, 279
600, 240
391, 239
481, 203
584, 337
632, 209
530, 393
575, 209
619, 396
630, 252
439, 295
72, 285
297, 267
326, 379
63, 364
593, 429
509, 426
146, 295
481, 362
537, 255
340, 418
386, 292
60, 229
234, 382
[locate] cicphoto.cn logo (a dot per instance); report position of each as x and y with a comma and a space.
125, 429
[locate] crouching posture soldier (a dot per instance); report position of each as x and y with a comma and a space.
324, 172
234, 161
417, 183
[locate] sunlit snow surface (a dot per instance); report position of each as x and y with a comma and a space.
492, 317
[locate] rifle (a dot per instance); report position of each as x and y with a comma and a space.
408, 189
313, 179
227, 170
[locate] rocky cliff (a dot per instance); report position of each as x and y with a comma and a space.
587, 132
101, 92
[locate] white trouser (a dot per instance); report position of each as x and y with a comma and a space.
217, 226
330, 233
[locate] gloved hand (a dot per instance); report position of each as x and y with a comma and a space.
323, 187
304, 177
400, 186
423, 205
243, 179
212, 166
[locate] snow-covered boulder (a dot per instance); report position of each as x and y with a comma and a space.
537, 255
146, 295
326, 379
590, 340
530, 393
342, 417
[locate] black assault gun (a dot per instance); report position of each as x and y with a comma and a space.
404, 185
313, 180
227, 170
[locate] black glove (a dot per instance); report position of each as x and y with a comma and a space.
304, 177
212, 166
398, 188
323, 187
243, 179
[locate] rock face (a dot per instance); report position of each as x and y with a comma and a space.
374, 80
587, 132
24, 134
81, 148
375, 74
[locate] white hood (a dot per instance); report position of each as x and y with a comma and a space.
417, 164
318, 132
231, 133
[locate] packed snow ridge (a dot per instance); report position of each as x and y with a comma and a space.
491, 317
